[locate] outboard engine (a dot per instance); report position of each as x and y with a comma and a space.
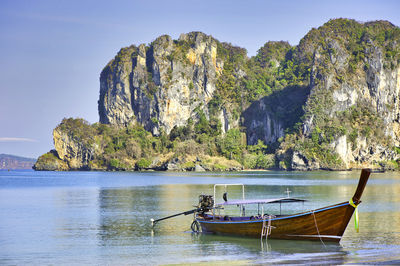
206, 202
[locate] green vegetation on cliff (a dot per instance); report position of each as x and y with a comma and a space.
345, 54
133, 147
331, 102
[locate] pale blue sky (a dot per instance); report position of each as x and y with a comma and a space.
52, 52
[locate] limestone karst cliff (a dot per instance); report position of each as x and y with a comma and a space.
161, 85
351, 116
331, 102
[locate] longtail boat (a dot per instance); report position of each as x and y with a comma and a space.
323, 224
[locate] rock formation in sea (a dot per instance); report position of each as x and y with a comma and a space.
330, 102
161, 85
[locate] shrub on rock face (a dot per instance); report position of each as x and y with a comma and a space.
259, 161
114, 164
50, 162
265, 161
230, 145
143, 164
250, 161
79, 129
133, 149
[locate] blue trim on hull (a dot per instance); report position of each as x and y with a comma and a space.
274, 219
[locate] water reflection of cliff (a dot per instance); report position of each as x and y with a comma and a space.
125, 212
116, 221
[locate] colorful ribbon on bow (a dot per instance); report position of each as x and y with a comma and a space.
356, 216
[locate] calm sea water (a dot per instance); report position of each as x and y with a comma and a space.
66, 218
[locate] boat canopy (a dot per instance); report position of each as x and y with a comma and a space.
259, 201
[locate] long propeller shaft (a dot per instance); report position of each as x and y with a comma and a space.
153, 222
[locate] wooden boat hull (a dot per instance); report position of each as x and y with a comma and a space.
327, 224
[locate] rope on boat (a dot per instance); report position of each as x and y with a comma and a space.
195, 226
316, 226
356, 215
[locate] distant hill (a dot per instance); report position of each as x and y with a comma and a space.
8, 161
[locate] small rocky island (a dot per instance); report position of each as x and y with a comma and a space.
198, 104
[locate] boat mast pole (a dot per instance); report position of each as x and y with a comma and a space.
361, 185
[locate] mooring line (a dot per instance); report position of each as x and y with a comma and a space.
316, 226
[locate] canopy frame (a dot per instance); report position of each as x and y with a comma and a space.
241, 203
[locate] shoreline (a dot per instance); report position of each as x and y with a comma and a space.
233, 171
